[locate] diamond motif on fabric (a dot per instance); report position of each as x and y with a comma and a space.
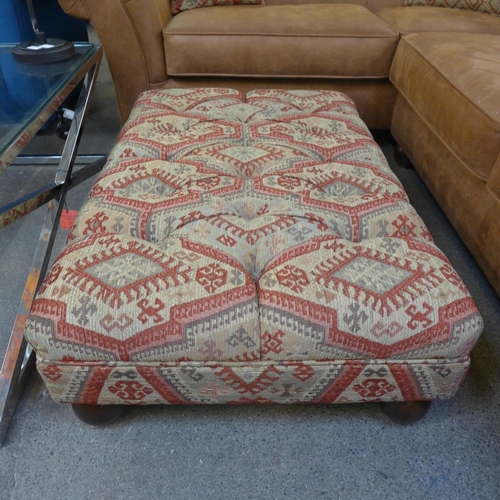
375, 276
303, 372
241, 112
245, 154
149, 185
124, 270
342, 189
52, 372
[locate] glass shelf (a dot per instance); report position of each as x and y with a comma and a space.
28, 90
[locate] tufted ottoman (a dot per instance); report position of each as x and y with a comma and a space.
250, 249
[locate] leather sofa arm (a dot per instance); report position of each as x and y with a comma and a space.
131, 31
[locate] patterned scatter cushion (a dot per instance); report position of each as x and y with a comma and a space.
484, 6
177, 6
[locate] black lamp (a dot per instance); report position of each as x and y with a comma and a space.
43, 50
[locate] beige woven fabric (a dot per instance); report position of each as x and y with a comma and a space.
250, 248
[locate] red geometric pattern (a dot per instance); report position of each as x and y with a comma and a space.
177, 6
382, 302
250, 248
484, 6
114, 297
257, 382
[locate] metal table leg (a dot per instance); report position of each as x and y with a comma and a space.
19, 357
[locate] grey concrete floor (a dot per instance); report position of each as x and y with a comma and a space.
252, 452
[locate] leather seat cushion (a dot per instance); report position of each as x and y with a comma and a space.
407, 20
452, 82
332, 41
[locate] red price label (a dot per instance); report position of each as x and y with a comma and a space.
67, 219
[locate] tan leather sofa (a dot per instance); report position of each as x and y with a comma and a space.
430, 74
447, 120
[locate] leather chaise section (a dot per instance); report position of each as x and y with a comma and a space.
452, 80
406, 20
447, 119
470, 204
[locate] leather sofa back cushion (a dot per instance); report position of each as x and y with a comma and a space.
407, 20
320, 41
177, 6
452, 81
487, 6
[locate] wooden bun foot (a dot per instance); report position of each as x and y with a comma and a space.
99, 415
401, 159
406, 412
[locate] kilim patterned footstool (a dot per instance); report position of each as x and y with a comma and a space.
250, 249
